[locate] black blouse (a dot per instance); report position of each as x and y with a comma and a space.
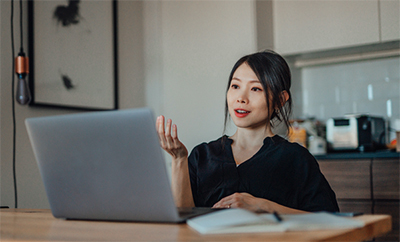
280, 171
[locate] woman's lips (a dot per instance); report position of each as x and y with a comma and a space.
241, 113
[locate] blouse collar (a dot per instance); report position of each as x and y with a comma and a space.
267, 141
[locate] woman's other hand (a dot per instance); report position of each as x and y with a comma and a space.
255, 204
168, 136
243, 200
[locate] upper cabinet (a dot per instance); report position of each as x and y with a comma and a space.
390, 19
309, 25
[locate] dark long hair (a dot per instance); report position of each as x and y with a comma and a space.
274, 74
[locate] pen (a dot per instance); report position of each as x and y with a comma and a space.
277, 216
351, 214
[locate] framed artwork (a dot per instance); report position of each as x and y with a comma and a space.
73, 54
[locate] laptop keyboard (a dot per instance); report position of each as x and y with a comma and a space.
196, 211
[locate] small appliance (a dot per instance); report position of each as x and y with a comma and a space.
356, 133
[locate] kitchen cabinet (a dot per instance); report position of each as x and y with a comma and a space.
386, 179
350, 179
390, 19
367, 185
308, 26
360, 206
392, 208
386, 194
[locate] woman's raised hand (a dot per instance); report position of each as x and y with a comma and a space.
180, 183
168, 136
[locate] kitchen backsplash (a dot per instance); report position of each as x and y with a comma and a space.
368, 87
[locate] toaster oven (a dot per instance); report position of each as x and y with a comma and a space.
358, 133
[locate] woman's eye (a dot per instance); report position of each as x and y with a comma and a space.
234, 86
256, 89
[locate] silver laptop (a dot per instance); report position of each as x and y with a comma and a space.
104, 166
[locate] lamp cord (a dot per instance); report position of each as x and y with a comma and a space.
21, 29
13, 103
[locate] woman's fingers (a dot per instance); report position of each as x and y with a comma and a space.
160, 124
224, 203
174, 135
234, 200
244, 200
161, 131
168, 138
168, 134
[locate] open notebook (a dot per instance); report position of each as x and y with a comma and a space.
243, 221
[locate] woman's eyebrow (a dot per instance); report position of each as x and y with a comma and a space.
251, 81
236, 79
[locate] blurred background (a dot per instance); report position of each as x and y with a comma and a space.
175, 57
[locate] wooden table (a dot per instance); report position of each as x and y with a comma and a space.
40, 225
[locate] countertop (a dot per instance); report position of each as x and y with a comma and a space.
359, 155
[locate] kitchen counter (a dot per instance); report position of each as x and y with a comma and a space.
359, 155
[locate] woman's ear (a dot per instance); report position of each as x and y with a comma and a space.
284, 97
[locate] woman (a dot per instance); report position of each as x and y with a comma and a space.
253, 169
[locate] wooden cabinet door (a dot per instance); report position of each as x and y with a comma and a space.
350, 179
385, 176
392, 208
348, 206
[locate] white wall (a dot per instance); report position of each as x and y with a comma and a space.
174, 56
201, 41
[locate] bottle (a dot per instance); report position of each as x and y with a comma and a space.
317, 145
298, 134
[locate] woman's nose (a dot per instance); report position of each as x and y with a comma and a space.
242, 99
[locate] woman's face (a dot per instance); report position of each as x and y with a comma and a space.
246, 99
